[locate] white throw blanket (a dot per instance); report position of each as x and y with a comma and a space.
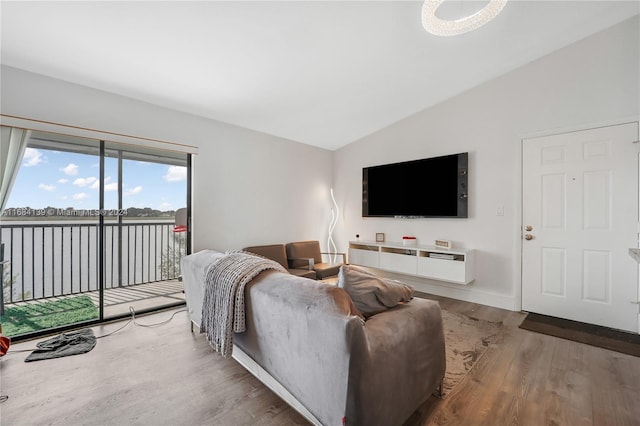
223, 304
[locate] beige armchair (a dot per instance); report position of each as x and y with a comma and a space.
303, 254
276, 252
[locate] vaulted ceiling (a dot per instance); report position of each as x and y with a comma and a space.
323, 73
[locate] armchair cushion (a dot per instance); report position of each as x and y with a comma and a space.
300, 251
275, 252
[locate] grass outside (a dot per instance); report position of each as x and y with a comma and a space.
18, 320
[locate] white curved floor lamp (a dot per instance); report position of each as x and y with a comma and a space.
335, 214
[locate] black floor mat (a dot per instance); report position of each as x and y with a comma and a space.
65, 344
594, 335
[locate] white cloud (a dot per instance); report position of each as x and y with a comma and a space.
32, 157
63, 180
133, 191
165, 206
71, 169
84, 181
111, 186
80, 196
46, 187
107, 186
176, 174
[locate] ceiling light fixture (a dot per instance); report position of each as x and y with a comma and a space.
442, 27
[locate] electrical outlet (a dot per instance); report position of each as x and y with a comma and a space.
500, 211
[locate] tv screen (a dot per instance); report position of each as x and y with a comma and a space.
430, 187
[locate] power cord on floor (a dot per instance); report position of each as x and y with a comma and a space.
158, 324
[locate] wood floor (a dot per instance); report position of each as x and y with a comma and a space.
166, 375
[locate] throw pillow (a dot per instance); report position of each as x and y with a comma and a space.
370, 293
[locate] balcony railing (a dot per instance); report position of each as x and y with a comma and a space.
58, 258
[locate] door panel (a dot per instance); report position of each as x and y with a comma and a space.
580, 196
553, 201
554, 273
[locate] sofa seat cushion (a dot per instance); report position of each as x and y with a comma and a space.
370, 293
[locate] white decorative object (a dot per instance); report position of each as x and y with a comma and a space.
445, 244
409, 241
442, 27
331, 245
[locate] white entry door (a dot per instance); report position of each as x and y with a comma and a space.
580, 217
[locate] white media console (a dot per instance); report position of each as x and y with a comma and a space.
455, 266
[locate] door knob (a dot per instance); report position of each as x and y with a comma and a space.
528, 237
528, 228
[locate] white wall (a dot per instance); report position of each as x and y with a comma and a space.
249, 188
589, 83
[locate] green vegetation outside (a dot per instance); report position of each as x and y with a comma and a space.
18, 320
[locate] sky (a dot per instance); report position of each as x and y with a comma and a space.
61, 179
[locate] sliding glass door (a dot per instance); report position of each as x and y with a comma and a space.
89, 231
144, 240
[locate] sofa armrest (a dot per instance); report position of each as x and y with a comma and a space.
404, 362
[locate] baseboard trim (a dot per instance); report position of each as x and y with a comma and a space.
468, 295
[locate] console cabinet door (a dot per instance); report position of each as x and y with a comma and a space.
361, 257
397, 260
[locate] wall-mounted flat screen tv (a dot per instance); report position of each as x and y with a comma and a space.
426, 188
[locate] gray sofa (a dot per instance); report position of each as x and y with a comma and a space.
304, 340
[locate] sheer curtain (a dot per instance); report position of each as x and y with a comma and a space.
12, 147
